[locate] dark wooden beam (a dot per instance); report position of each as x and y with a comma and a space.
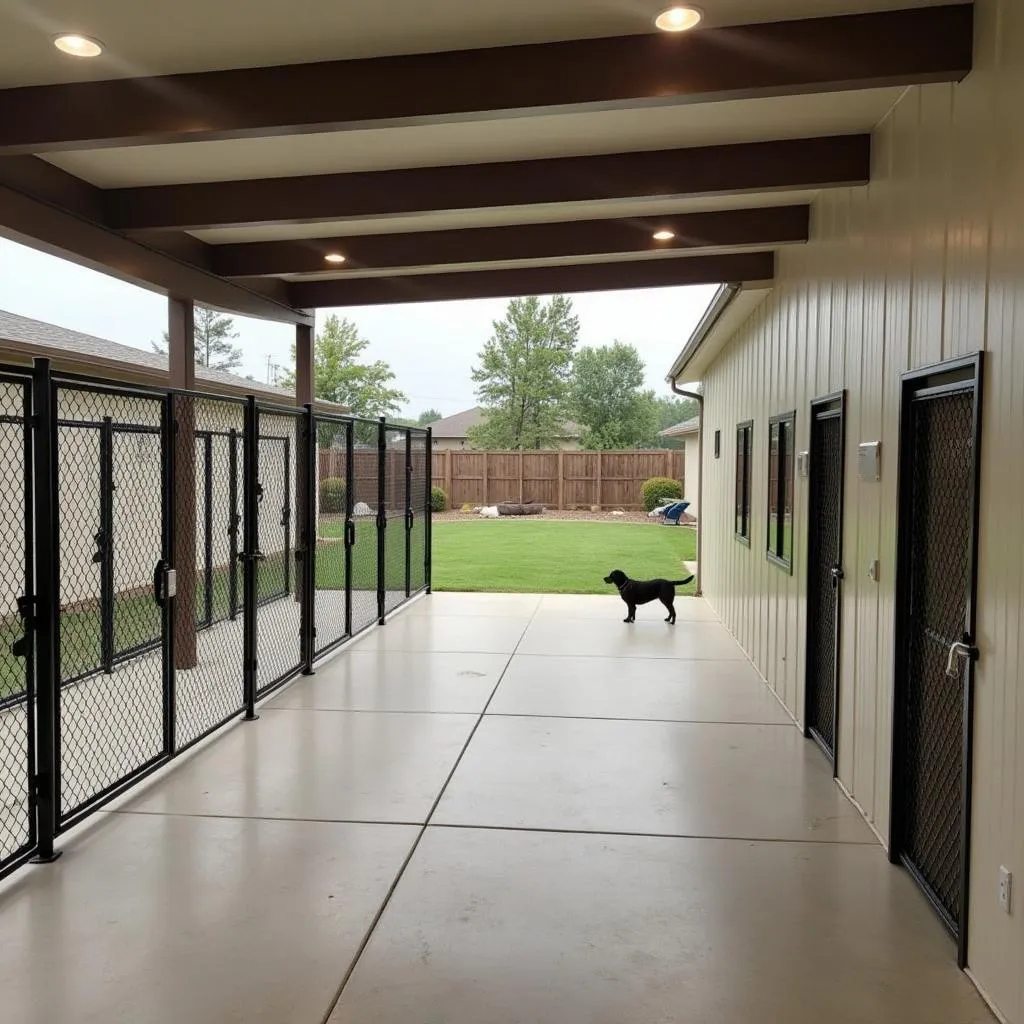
485, 284
768, 226
702, 171
45, 207
891, 48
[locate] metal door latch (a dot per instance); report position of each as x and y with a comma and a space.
961, 649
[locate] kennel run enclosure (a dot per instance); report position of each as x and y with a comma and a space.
167, 559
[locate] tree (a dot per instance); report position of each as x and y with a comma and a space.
609, 400
523, 375
213, 336
427, 417
339, 377
672, 411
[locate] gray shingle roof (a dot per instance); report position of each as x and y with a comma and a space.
457, 425
36, 333
682, 429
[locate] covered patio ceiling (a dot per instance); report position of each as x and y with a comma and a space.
222, 152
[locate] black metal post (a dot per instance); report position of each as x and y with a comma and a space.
382, 518
350, 526
307, 540
428, 510
105, 544
408, 512
250, 553
47, 612
234, 522
208, 530
286, 515
168, 429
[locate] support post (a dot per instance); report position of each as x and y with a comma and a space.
307, 539
208, 529
487, 459
304, 397
409, 515
47, 612
250, 554
182, 365
599, 486
428, 511
520, 476
561, 479
350, 526
382, 518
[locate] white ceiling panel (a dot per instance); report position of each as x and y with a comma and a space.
157, 37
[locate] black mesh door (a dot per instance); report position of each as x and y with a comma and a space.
939, 515
824, 574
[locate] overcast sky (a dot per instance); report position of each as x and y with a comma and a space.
430, 346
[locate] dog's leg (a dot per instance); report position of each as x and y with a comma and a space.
671, 620
630, 614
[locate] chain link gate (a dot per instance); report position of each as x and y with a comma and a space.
364, 499
395, 479
936, 607
824, 572
17, 605
279, 650
112, 485
334, 529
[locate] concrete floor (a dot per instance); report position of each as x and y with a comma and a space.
502, 809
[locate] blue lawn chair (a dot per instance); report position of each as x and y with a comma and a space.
672, 514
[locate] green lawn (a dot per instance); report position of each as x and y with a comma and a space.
555, 557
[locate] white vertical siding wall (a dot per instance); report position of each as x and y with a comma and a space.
923, 265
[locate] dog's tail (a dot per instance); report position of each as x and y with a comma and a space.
681, 583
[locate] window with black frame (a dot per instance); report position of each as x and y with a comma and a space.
781, 445
744, 442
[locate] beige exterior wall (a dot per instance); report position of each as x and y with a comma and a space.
691, 471
923, 265
136, 507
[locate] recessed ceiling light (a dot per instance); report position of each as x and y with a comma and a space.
664, 236
78, 46
678, 19
334, 257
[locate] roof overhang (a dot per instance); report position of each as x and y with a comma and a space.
730, 308
458, 151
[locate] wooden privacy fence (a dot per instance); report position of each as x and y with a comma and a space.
556, 479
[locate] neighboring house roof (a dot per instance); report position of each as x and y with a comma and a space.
457, 426
21, 338
682, 429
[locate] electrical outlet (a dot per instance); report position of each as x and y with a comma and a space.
1006, 889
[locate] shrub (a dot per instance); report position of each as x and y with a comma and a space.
659, 489
332, 495
438, 500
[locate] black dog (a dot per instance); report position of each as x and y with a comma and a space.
635, 592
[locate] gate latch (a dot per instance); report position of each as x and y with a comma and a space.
837, 574
961, 649
26, 608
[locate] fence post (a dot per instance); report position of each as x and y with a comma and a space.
233, 523
350, 526
599, 486
250, 553
429, 510
561, 479
105, 544
382, 518
487, 461
46, 620
520, 476
208, 530
408, 512
307, 539
448, 481
169, 609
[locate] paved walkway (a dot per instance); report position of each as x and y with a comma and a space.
496, 810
